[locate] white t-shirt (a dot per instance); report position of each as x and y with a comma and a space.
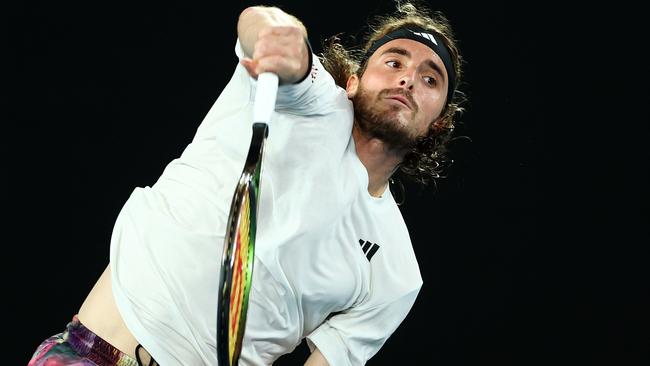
333, 263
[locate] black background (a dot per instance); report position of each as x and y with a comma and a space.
532, 251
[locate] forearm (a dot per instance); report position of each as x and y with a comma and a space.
255, 18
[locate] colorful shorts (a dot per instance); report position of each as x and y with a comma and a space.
78, 346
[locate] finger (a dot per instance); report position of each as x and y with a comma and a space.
287, 69
250, 66
271, 63
269, 46
280, 31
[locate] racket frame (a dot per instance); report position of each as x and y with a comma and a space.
248, 185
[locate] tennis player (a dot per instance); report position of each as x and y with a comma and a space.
334, 262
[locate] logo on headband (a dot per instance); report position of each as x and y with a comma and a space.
428, 36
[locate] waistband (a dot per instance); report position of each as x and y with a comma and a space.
90, 345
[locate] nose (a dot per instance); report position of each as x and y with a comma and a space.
407, 80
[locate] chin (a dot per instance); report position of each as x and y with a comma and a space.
402, 119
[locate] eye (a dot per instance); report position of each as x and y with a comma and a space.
430, 80
393, 64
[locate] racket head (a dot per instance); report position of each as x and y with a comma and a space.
239, 254
237, 271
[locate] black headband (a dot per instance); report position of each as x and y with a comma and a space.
425, 37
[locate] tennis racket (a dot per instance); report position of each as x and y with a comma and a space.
239, 244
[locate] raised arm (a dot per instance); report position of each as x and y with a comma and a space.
273, 40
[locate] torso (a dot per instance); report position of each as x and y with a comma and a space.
99, 314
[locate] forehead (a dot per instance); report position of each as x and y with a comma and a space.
418, 52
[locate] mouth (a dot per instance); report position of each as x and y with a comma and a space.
401, 99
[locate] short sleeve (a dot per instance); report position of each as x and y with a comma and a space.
315, 94
352, 337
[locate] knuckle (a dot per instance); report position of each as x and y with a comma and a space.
260, 49
264, 32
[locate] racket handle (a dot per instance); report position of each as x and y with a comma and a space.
265, 95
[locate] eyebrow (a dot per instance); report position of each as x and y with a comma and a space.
404, 52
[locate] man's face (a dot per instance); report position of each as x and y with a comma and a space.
402, 91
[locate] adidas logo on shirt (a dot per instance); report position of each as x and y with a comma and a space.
368, 248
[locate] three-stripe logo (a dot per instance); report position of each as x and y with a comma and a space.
428, 36
368, 248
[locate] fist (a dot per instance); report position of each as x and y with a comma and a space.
281, 50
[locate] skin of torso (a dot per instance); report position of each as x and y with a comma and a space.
99, 314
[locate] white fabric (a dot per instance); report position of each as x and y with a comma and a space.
311, 276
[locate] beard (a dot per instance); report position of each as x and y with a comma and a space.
382, 121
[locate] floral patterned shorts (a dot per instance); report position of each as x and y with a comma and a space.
78, 346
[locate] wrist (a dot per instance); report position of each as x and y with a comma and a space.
310, 60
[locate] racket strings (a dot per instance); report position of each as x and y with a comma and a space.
240, 278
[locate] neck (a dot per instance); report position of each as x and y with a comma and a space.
380, 161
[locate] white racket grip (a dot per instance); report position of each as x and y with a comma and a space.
265, 95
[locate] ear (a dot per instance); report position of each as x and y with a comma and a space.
352, 85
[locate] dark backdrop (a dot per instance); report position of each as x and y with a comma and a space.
531, 250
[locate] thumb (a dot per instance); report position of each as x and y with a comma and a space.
250, 66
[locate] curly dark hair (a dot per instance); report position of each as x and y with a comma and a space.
428, 160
